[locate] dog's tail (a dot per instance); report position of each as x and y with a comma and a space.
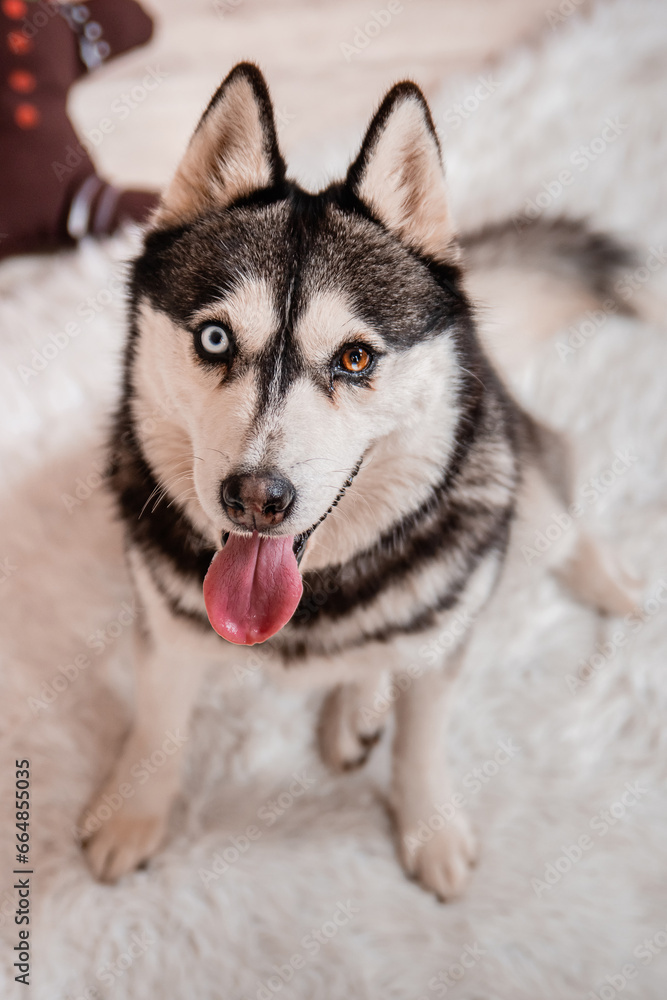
532, 280
563, 248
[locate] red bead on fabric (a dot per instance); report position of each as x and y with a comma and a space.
16, 9
21, 81
27, 116
18, 43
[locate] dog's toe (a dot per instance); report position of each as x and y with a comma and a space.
343, 744
123, 843
442, 862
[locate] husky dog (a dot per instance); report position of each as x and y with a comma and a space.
352, 462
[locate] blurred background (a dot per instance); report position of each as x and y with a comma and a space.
325, 71
547, 109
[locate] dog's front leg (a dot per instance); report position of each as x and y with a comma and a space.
351, 721
435, 840
127, 820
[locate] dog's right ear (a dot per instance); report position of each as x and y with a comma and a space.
398, 174
233, 152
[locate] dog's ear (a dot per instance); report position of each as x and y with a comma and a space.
398, 174
233, 152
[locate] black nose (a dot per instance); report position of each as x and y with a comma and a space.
256, 500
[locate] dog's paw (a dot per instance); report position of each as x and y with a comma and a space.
344, 741
124, 842
595, 574
441, 862
630, 589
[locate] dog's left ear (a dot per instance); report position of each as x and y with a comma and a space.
398, 174
233, 152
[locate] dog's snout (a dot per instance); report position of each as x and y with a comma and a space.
257, 500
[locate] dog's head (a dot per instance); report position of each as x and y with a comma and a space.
296, 346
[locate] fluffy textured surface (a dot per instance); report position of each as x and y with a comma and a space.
326, 864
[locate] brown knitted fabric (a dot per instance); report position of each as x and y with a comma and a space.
44, 166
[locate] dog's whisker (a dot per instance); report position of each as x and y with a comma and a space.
164, 490
152, 494
176, 478
305, 461
468, 372
356, 496
217, 450
183, 497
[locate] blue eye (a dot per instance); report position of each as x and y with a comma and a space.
214, 340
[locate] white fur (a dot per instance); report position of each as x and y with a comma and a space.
333, 842
206, 434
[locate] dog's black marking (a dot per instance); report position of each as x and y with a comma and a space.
300, 243
301, 540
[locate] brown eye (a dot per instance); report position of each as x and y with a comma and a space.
355, 359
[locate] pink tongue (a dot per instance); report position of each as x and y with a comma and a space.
252, 587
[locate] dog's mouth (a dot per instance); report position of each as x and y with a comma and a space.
253, 585
298, 542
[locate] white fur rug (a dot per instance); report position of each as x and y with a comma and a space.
568, 900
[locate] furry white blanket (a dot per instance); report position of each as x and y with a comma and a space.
568, 900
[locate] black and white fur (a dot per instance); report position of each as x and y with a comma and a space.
406, 479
